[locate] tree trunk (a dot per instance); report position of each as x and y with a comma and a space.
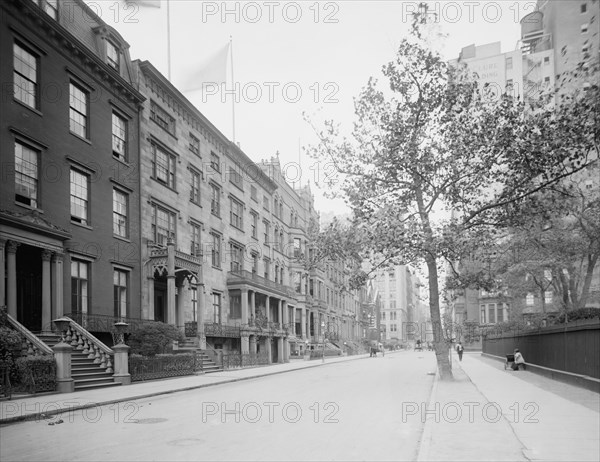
440, 345
585, 290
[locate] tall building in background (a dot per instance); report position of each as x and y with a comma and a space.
559, 37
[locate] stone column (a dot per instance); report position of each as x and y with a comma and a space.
121, 364
303, 322
252, 339
179, 305
2, 273
148, 313
280, 352
253, 303
268, 348
46, 291
268, 309
171, 289
244, 299
62, 356
57, 285
200, 317
245, 341
11, 289
280, 312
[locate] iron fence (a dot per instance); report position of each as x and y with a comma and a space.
240, 360
161, 366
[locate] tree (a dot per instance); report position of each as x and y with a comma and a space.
433, 141
557, 245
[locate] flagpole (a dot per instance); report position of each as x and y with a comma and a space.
168, 40
233, 84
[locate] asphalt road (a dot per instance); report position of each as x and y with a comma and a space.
342, 411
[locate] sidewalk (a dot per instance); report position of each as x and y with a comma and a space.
488, 413
40, 406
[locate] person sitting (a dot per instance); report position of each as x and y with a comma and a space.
519, 361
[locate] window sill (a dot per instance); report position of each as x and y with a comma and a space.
121, 161
235, 227
85, 140
121, 238
164, 184
29, 207
217, 268
81, 225
26, 106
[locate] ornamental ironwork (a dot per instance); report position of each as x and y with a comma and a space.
221, 330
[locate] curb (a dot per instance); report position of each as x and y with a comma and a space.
425, 442
42, 415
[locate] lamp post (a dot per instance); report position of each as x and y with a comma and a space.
323, 329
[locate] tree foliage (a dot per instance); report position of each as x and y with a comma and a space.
434, 142
155, 338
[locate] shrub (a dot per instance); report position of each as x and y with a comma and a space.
10, 348
581, 313
37, 373
155, 338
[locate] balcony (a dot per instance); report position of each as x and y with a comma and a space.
158, 256
216, 329
243, 277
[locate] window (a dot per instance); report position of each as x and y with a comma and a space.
482, 318
509, 63
195, 178
78, 110
163, 166
26, 175
120, 278
216, 249
509, 84
112, 55
548, 296
163, 225
254, 263
25, 76
216, 307
194, 301
393, 328
195, 243
162, 118
253, 193
492, 313
275, 207
235, 305
500, 313
119, 137
50, 7
79, 197
281, 242
265, 202
546, 79
583, 8
530, 300
236, 214
254, 224
236, 252
393, 304
584, 28
236, 178
298, 283
297, 247
79, 286
267, 231
546, 60
267, 267
194, 145
120, 206
276, 274
215, 200
215, 162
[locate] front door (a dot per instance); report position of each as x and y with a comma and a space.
29, 287
160, 301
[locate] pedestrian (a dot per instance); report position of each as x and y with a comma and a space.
518, 360
459, 350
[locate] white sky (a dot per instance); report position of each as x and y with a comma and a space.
327, 50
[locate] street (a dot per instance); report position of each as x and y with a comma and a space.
340, 411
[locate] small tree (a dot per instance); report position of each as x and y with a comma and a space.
154, 338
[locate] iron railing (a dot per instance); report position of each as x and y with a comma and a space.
221, 330
161, 366
241, 360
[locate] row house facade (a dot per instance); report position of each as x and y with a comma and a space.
69, 195
220, 234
